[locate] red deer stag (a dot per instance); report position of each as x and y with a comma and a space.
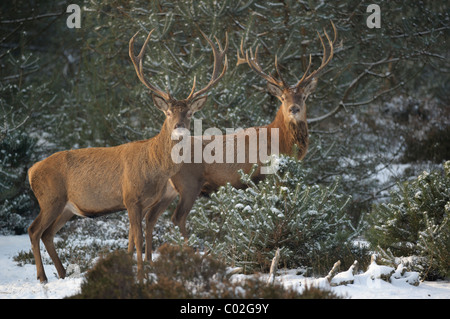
93, 182
203, 178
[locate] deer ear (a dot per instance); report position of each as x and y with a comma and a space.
198, 104
160, 103
274, 90
310, 87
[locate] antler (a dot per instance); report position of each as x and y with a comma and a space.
215, 77
254, 65
137, 62
325, 60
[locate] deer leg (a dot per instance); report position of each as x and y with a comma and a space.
188, 195
130, 241
49, 235
134, 213
150, 222
45, 218
152, 217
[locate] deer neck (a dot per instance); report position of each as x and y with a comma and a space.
291, 133
161, 148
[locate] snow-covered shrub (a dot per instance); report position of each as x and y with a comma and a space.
246, 226
416, 221
16, 200
82, 240
12, 215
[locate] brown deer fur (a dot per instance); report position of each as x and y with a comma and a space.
92, 182
203, 178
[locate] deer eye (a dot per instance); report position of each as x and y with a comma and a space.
168, 113
189, 114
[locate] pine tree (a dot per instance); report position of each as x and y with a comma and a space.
246, 226
416, 221
16, 201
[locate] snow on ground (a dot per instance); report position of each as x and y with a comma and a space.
366, 288
19, 282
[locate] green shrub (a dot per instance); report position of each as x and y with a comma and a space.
416, 221
245, 227
16, 199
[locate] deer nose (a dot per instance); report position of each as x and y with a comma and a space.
295, 109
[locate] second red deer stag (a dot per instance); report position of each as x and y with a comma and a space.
93, 182
203, 178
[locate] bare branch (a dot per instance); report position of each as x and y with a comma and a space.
375, 96
353, 84
41, 16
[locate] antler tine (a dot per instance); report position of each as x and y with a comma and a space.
325, 59
219, 55
239, 59
254, 65
279, 73
306, 77
306, 72
137, 62
193, 88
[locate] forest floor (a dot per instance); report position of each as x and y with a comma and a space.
19, 282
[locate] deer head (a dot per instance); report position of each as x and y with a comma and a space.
179, 112
292, 97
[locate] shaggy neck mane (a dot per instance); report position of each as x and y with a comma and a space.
291, 134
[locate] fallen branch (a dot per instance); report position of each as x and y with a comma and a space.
232, 271
346, 277
373, 273
273, 267
333, 272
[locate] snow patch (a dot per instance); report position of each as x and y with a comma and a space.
19, 282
